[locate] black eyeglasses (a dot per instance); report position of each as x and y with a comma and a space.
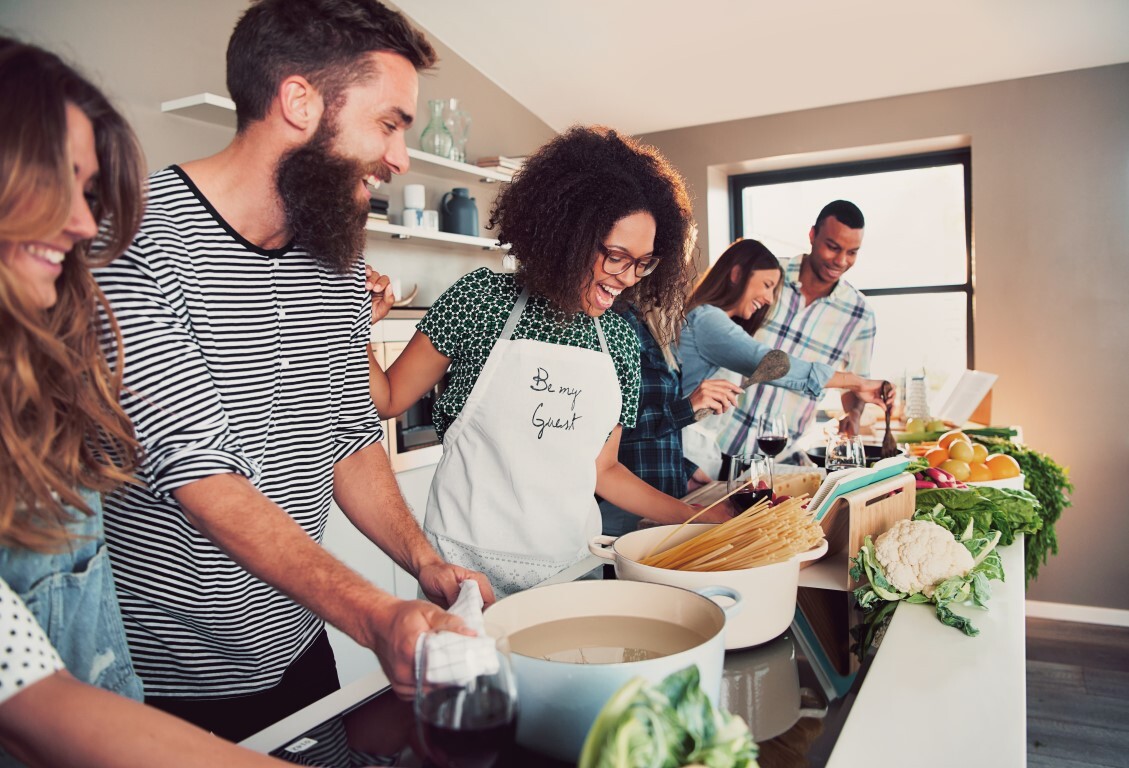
617, 262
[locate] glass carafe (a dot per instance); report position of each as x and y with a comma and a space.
435, 138
458, 125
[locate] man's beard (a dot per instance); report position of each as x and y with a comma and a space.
318, 189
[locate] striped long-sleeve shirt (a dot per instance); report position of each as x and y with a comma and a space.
837, 330
237, 360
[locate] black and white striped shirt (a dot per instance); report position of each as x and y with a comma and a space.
237, 360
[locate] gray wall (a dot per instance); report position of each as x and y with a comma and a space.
1050, 184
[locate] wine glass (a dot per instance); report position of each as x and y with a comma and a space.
772, 436
844, 452
750, 480
466, 698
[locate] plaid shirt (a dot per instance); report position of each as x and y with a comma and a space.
652, 449
837, 329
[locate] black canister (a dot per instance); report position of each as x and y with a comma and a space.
458, 213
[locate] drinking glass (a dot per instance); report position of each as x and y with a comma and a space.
465, 699
772, 435
750, 475
844, 452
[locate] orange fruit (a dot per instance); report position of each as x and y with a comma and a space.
961, 450
979, 473
958, 469
1003, 466
979, 453
952, 434
936, 456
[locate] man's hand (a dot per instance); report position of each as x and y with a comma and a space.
381, 289
718, 395
395, 640
870, 391
440, 582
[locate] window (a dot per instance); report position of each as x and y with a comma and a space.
915, 264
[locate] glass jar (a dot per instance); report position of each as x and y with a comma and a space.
435, 138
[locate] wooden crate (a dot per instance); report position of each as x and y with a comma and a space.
866, 512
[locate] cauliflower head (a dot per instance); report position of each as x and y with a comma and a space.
918, 555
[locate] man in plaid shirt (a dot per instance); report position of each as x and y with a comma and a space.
819, 317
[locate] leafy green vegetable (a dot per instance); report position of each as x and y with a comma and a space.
667, 725
974, 585
1050, 484
925, 437
987, 509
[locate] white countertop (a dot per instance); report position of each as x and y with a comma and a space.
932, 696
935, 697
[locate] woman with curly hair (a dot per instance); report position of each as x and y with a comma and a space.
731, 301
542, 377
67, 162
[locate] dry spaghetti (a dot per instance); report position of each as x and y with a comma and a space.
761, 535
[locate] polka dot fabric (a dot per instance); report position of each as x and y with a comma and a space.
26, 655
468, 318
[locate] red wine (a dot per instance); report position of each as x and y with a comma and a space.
747, 498
488, 726
771, 445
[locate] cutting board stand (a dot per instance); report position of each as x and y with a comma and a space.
866, 512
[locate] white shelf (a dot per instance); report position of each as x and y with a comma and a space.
220, 110
207, 107
404, 233
433, 165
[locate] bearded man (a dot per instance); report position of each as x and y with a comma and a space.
244, 314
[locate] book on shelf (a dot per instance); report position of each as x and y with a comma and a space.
500, 162
378, 216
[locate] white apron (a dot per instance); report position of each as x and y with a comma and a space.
513, 494
699, 438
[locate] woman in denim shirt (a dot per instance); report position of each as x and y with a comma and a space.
67, 162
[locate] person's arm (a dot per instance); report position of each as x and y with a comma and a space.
857, 357
366, 490
725, 344
618, 485
418, 368
264, 540
61, 721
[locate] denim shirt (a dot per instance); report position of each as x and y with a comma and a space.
71, 594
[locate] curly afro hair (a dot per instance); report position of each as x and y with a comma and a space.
565, 200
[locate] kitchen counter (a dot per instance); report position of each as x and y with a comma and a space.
928, 687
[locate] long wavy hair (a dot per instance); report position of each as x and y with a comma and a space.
61, 425
718, 286
565, 200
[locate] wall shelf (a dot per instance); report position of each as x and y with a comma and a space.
208, 107
220, 110
404, 233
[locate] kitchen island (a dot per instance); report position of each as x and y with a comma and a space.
930, 696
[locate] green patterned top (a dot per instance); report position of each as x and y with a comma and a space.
468, 318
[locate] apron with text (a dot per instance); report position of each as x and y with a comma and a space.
512, 495
699, 439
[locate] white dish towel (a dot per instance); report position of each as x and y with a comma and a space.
455, 659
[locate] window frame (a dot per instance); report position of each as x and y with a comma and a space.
963, 157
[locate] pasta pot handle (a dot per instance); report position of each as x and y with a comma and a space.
601, 546
719, 591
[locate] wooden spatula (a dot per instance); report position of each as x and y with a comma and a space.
772, 366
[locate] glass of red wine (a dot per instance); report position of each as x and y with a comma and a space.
466, 699
772, 435
750, 480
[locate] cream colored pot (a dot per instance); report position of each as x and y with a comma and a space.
769, 591
558, 700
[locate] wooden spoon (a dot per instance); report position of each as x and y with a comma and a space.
772, 366
889, 442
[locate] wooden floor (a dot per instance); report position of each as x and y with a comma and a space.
1077, 695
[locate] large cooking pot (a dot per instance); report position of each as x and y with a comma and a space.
558, 698
769, 591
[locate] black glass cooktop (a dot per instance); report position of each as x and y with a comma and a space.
794, 692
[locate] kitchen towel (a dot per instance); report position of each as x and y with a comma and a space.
455, 659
